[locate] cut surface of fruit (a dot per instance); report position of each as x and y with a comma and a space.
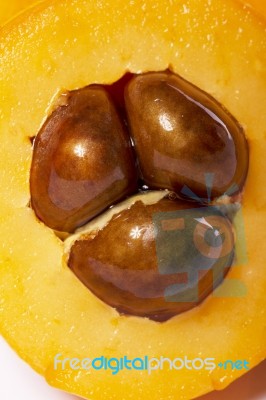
219, 46
9, 9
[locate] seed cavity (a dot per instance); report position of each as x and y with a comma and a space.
153, 131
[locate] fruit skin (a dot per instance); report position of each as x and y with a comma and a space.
44, 309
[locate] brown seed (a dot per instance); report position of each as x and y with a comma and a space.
184, 138
157, 260
82, 161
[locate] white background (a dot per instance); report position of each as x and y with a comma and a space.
19, 382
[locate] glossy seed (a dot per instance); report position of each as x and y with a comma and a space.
184, 139
158, 260
82, 161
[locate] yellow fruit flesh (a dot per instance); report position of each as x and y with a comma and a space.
258, 6
44, 309
10, 8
